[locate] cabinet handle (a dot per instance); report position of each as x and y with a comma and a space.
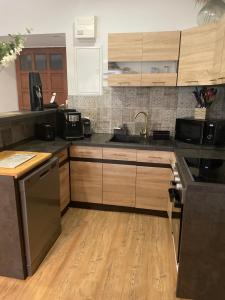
221, 78
158, 82
121, 155
213, 80
192, 81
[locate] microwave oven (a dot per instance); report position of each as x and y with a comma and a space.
203, 132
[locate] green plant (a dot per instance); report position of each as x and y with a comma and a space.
10, 49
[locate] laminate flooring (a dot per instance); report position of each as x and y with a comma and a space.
103, 255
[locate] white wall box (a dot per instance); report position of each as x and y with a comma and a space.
88, 70
85, 27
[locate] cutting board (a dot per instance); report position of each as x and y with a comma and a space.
24, 167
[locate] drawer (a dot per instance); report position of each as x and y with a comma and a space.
86, 152
120, 154
63, 155
163, 157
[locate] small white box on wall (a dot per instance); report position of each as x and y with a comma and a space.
85, 27
88, 71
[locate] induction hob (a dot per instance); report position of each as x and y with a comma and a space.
206, 169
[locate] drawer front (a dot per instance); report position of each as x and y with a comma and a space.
86, 152
162, 157
124, 80
120, 154
63, 155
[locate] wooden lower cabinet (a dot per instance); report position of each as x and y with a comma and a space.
119, 184
86, 181
152, 188
64, 185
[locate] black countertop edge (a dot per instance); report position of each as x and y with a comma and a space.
19, 115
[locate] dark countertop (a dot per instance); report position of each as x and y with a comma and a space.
102, 140
43, 146
18, 115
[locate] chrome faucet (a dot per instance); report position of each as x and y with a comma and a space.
144, 131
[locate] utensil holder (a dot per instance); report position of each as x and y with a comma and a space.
200, 113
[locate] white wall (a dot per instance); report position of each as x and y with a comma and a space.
51, 16
8, 89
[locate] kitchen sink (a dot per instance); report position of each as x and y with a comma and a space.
133, 139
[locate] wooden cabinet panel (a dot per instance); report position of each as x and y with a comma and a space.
197, 56
219, 60
62, 155
64, 186
124, 80
125, 47
152, 188
159, 79
119, 154
86, 152
149, 156
161, 46
86, 181
119, 185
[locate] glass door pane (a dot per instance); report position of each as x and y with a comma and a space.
56, 61
40, 62
25, 62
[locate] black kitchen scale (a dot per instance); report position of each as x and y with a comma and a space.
209, 170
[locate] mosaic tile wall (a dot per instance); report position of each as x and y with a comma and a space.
119, 105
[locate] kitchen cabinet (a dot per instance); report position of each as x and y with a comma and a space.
161, 46
86, 181
197, 50
136, 55
120, 154
119, 184
159, 157
64, 180
152, 185
124, 47
219, 57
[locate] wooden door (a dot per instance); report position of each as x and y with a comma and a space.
86, 181
125, 47
161, 46
152, 188
196, 66
64, 185
119, 184
51, 64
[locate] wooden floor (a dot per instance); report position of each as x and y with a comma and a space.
103, 256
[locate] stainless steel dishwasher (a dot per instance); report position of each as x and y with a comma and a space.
39, 194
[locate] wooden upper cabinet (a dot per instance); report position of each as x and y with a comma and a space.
219, 58
161, 46
196, 66
125, 47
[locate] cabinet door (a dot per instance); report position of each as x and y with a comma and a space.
197, 50
125, 47
159, 79
64, 185
152, 188
119, 184
124, 80
161, 46
86, 181
220, 53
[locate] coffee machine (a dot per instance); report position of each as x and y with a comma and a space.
69, 124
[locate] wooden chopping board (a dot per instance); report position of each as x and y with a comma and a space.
24, 167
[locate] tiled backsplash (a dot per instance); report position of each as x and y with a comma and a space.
119, 105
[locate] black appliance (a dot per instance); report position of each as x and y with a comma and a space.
69, 124
36, 95
45, 131
87, 127
39, 198
176, 197
204, 132
209, 170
